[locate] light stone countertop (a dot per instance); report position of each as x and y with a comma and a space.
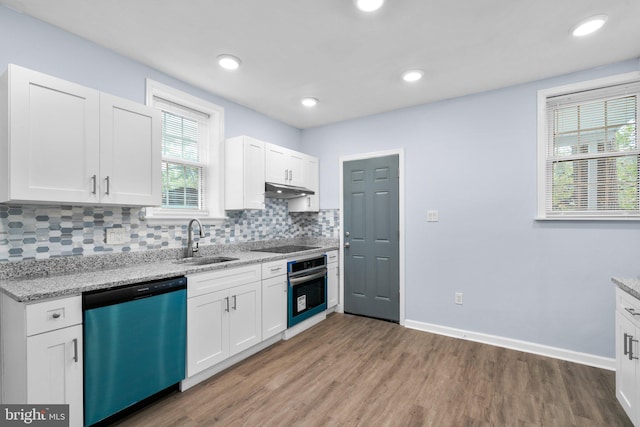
629, 285
27, 288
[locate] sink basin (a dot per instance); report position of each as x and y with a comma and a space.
206, 260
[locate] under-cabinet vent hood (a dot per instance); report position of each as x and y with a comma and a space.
281, 191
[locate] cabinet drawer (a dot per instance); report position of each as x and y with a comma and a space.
212, 281
332, 256
53, 314
274, 269
628, 305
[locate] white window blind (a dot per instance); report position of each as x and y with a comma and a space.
184, 156
592, 153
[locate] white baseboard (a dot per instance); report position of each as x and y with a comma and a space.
528, 347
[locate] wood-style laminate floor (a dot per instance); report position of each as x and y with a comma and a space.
355, 371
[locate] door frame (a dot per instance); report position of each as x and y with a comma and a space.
401, 203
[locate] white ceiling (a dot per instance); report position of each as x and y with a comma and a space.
352, 62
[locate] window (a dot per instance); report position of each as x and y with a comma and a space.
192, 133
588, 150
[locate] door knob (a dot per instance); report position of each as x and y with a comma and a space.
347, 234
347, 245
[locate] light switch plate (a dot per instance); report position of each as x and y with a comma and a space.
432, 216
116, 236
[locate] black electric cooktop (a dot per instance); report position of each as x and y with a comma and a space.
286, 249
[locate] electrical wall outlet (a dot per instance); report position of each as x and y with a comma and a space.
432, 216
116, 236
459, 298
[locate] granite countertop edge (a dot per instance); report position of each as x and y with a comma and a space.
629, 285
30, 289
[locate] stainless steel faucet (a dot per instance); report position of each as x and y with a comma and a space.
190, 249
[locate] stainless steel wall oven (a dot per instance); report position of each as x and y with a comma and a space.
307, 288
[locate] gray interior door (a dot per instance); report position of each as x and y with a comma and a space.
371, 236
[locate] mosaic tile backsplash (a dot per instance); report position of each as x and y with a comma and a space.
41, 232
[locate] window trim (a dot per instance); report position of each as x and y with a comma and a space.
214, 179
542, 127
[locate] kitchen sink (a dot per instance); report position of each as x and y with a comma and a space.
205, 260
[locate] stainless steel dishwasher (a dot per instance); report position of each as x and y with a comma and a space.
134, 346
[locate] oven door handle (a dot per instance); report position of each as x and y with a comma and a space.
301, 279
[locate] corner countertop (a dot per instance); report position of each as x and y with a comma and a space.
28, 288
629, 285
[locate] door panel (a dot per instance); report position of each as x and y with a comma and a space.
371, 255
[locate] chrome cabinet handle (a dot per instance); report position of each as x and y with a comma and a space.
276, 268
290, 175
286, 174
308, 202
107, 180
75, 350
631, 341
234, 303
226, 299
94, 178
55, 315
626, 345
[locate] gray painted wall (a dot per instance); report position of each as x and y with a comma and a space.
474, 160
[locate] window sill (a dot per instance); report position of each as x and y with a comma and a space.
588, 218
182, 218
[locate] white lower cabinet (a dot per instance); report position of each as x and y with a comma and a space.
628, 354
333, 279
42, 353
274, 298
224, 315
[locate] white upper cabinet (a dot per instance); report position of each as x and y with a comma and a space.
310, 173
283, 166
61, 142
130, 157
244, 173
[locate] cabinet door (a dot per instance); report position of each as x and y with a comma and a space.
244, 173
274, 306
294, 164
54, 370
245, 324
311, 177
332, 285
627, 352
130, 157
207, 330
53, 139
275, 164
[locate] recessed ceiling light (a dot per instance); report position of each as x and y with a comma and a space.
589, 26
412, 75
228, 62
309, 102
368, 5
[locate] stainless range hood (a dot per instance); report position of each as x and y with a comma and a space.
281, 191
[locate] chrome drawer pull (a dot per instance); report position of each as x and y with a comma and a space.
631, 311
